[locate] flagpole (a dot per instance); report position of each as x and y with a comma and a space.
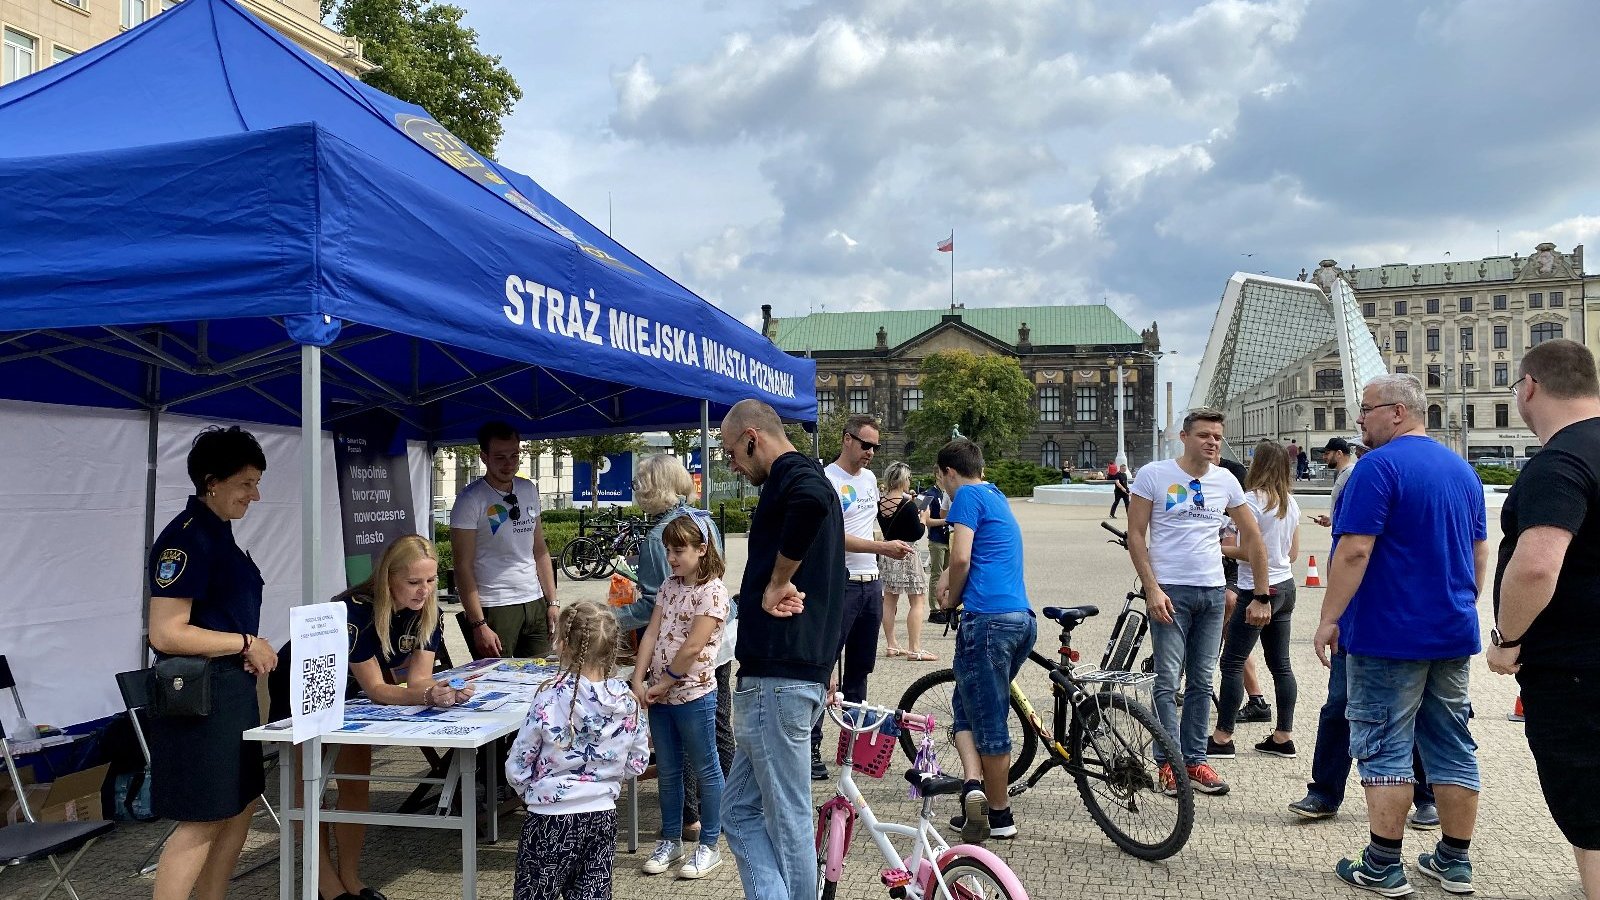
952, 268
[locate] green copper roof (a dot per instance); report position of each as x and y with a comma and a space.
1048, 326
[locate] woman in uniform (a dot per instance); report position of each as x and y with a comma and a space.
205, 600
394, 625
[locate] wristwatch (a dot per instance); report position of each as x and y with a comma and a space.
1497, 639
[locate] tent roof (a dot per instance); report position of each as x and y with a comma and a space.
198, 195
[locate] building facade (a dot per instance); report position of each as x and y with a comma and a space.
41, 33
1460, 326
871, 362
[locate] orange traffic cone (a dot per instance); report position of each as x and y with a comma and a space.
1312, 578
1516, 711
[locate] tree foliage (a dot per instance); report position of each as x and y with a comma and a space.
684, 441
595, 448
830, 426
987, 397
427, 57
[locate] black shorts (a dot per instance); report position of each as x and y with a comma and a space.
202, 769
1563, 728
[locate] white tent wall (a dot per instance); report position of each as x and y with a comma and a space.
72, 497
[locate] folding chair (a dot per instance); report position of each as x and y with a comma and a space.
32, 840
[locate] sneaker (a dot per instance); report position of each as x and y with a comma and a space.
975, 822
1206, 780
1455, 877
1386, 881
1002, 825
1273, 748
1169, 781
700, 865
1255, 710
1215, 750
1313, 807
666, 853
1424, 817
819, 772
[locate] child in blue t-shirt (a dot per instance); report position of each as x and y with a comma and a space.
997, 631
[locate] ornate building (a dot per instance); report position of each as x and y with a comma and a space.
870, 362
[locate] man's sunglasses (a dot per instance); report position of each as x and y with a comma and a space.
865, 445
516, 511
1199, 498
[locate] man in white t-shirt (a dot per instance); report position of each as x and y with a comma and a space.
503, 568
863, 592
1183, 504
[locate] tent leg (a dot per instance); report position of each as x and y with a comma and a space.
705, 453
153, 429
310, 556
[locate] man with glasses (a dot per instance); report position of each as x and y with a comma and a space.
503, 570
857, 487
1409, 555
1183, 503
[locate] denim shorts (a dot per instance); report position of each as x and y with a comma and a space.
1396, 704
990, 651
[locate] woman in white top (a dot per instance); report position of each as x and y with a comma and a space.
1263, 613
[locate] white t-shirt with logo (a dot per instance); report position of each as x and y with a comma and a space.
1279, 535
1185, 543
503, 561
858, 495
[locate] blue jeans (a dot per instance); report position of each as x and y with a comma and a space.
1398, 706
1189, 646
766, 809
688, 731
990, 651
1330, 761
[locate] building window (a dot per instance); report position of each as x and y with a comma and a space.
1557, 300
18, 59
133, 13
1401, 370
1466, 304
860, 401
1434, 377
1370, 310
1088, 457
1399, 307
1339, 422
1500, 339
1330, 380
1319, 419
1050, 404
1502, 415
60, 54
1469, 378
1499, 301
1402, 338
1435, 417
826, 403
1472, 416
1086, 406
1545, 331
1127, 400
910, 399
1050, 455
1433, 305
1466, 337
1502, 374
1536, 301
1433, 340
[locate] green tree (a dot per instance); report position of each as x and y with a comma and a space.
987, 397
595, 448
685, 441
427, 57
831, 428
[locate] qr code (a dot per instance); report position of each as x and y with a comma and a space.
452, 731
318, 693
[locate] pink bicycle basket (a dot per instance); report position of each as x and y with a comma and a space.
872, 751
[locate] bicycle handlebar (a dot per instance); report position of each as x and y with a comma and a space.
1121, 535
867, 722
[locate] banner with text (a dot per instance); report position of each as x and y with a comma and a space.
374, 495
616, 480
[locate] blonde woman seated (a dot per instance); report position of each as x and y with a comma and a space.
394, 627
900, 520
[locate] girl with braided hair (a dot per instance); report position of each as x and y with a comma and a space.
583, 736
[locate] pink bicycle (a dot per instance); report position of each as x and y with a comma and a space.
934, 869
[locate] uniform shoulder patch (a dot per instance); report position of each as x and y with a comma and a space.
169, 566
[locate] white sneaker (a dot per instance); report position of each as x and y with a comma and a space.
704, 860
667, 853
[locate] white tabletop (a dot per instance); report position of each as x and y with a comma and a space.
475, 730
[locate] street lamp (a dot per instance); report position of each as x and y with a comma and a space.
1155, 390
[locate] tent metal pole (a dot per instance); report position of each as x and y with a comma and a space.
310, 591
705, 454
152, 443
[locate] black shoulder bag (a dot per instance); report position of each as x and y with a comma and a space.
181, 687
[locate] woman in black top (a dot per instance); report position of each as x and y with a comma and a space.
395, 630
900, 520
205, 600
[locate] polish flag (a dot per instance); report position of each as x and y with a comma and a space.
948, 245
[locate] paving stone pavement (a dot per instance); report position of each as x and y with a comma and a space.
1245, 844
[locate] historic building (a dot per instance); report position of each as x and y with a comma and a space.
40, 33
870, 362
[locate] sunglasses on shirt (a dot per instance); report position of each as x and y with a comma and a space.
516, 511
1199, 498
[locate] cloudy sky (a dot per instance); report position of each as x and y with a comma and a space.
810, 155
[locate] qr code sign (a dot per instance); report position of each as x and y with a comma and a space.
318, 693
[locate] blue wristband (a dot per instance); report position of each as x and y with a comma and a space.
671, 674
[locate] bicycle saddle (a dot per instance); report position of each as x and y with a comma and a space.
1070, 616
933, 785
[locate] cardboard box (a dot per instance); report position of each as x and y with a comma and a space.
70, 798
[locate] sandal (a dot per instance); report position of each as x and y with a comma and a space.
921, 656
892, 652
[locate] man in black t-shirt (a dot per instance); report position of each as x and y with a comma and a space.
1547, 590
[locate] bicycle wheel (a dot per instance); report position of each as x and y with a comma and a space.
933, 694
970, 879
1127, 644
1113, 745
574, 559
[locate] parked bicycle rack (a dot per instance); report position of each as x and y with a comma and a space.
1138, 686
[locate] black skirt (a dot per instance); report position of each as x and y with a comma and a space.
202, 769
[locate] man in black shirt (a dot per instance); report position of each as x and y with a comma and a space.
790, 616
1547, 590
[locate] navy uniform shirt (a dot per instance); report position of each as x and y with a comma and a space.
195, 558
403, 635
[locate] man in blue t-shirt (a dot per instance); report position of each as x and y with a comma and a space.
1410, 553
984, 578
